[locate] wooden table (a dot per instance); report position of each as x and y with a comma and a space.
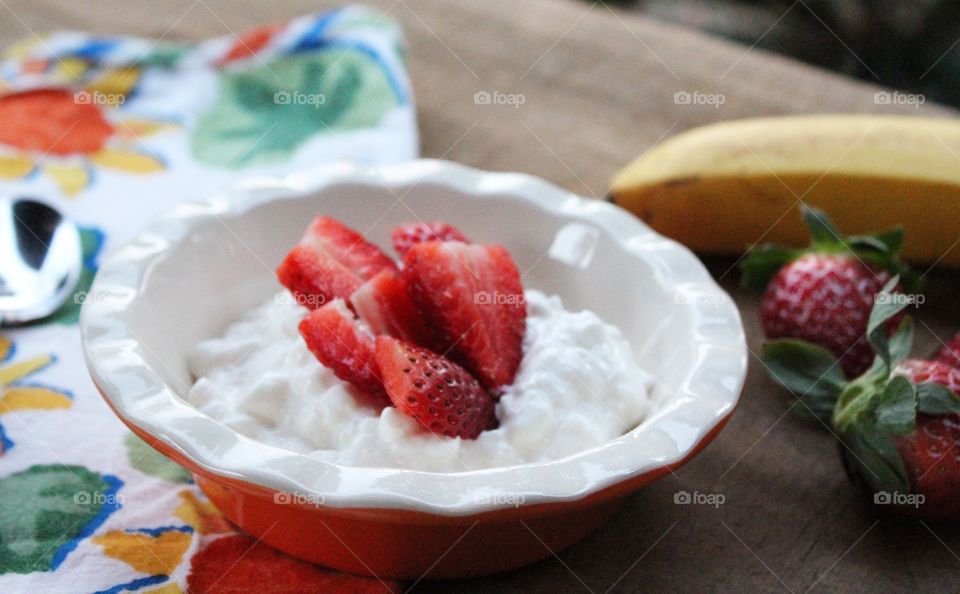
597, 87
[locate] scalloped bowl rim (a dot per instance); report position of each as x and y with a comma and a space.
575, 477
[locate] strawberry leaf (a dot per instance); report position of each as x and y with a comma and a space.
883, 251
901, 342
822, 230
934, 399
888, 242
809, 371
873, 456
762, 264
896, 410
885, 306
909, 279
879, 250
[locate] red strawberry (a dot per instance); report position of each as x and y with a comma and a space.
336, 339
824, 294
950, 353
410, 234
442, 396
825, 299
383, 303
331, 260
931, 453
899, 422
471, 297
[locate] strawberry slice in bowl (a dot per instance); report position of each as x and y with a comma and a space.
331, 260
407, 235
442, 396
385, 306
338, 341
471, 298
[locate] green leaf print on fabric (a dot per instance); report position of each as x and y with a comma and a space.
164, 56
149, 461
46, 509
263, 114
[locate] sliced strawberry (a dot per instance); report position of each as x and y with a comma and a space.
383, 303
471, 298
410, 234
442, 396
337, 340
331, 260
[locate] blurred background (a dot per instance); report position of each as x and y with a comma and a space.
890, 42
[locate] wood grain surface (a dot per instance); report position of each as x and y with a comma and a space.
598, 88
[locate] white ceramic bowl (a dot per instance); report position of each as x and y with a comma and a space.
199, 266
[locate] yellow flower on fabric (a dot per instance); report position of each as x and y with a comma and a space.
202, 516
153, 552
14, 396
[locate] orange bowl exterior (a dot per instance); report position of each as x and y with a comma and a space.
399, 544
402, 544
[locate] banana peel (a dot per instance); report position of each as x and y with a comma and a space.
728, 186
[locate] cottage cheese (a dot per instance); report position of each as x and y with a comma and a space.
578, 386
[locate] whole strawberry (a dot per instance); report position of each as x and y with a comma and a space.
823, 294
930, 453
898, 423
950, 353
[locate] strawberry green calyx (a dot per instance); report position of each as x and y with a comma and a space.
868, 413
880, 250
809, 371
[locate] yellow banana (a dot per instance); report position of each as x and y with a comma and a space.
724, 187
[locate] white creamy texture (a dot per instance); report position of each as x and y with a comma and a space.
578, 386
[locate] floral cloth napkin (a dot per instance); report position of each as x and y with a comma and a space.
112, 130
